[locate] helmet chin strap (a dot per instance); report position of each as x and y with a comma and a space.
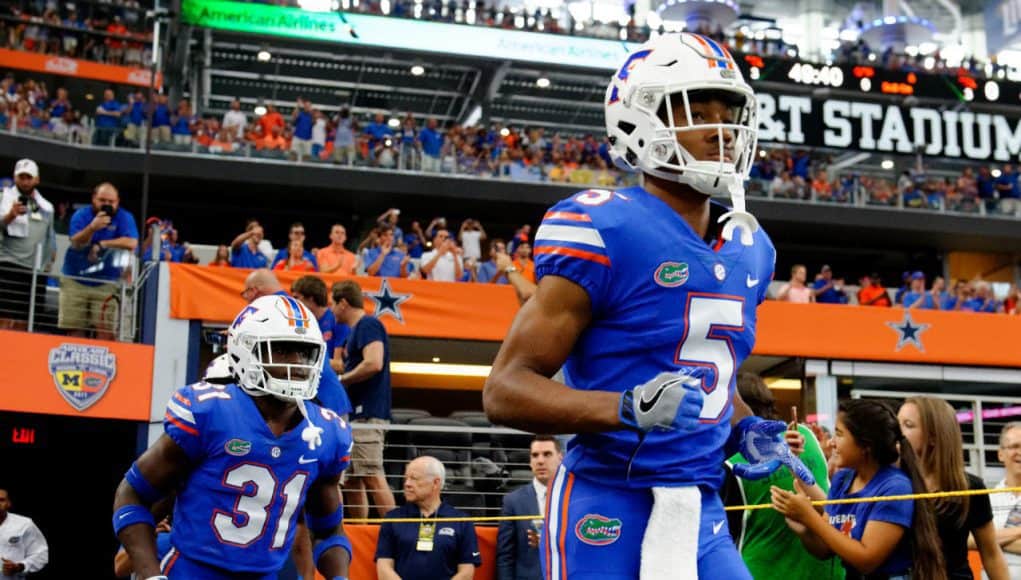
311, 434
738, 217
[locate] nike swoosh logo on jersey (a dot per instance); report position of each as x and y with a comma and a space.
303, 461
644, 406
717, 526
751, 282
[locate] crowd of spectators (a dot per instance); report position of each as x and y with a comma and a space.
314, 135
975, 295
110, 32
797, 174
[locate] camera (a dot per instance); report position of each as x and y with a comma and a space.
23, 199
108, 209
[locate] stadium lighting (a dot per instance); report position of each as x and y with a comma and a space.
316, 5
260, 110
542, 82
418, 70
457, 370
996, 173
394, 122
887, 164
929, 63
263, 55
436, 359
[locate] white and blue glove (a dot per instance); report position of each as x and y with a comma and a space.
761, 442
669, 401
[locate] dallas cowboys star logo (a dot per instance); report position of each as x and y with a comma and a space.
387, 302
910, 333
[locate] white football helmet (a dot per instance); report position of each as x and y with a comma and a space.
268, 327
640, 123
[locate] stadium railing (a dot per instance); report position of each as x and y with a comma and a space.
482, 462
857, 195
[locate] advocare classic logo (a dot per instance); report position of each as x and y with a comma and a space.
82, 373
597, 530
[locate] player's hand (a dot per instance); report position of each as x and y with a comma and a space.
761, 445
533, 538
669, 401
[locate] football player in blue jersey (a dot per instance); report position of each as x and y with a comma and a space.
647, 298
245, 458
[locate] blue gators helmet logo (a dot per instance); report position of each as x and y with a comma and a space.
82, 373
625, 71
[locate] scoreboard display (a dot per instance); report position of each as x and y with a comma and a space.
959, 86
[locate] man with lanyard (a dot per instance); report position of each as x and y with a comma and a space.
27, 242
427, 550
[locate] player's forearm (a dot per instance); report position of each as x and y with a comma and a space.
464, 572
523, 399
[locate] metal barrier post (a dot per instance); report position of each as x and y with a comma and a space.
36, 266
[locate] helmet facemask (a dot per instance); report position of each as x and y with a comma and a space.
285, 367
667, 158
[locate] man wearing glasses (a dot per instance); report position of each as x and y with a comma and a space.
295, 234
1006, 505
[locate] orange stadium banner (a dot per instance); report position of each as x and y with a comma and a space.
888, 334
72, 67
60, 375
406, 307
485, 311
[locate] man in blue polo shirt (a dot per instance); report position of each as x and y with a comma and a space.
244, 249
432, 146
385, 260
108, 119
103, 235
301, 142
426, 550
827, 290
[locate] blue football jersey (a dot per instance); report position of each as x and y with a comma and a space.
662, 300
238, 507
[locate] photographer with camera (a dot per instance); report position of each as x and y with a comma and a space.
27, 242
103, 236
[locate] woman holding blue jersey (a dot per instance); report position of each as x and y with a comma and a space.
892, 540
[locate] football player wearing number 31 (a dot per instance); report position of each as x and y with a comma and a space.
647, 298
244, 457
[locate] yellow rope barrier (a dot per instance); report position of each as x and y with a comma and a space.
761, 506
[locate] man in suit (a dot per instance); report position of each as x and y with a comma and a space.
517, 554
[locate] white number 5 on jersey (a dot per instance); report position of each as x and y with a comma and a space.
704, 345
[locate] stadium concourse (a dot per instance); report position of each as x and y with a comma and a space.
423, 210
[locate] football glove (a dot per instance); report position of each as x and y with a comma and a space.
668, 401
761, 443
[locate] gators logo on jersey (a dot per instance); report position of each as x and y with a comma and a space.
82, 373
